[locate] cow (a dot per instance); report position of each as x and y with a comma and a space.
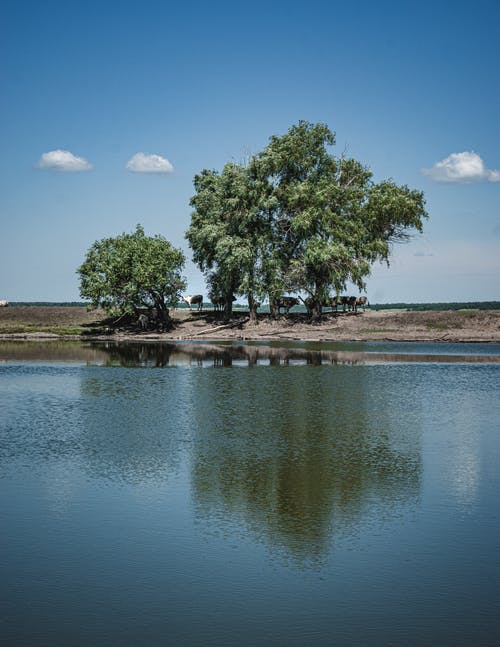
361, 301
347, 303
219, 302
287, 303
3, 303
352, 304
194, 299
342, 301
333, 303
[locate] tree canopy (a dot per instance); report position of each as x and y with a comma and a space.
296, 218
133, 271
227, 232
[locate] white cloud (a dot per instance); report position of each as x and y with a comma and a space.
147, 163
64, 161
462, 167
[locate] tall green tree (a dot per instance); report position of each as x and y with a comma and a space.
133, 271
227, 233
297, 218
328, 221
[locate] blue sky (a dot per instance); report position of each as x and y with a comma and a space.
411, 90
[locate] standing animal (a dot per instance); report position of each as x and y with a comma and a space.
352, 304
3, 303
361, 301
334, 303
219, 302
343, 301
194, 299
287, 303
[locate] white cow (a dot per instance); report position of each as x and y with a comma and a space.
194, 299
3, 303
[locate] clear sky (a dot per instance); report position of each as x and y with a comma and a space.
108, 109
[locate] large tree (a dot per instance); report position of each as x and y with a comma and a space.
328, 220
133, 271
297, 218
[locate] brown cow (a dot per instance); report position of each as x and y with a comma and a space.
219, 302
361, 301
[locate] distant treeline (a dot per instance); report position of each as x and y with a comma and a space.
469, 305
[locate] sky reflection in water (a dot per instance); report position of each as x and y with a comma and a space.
299, 504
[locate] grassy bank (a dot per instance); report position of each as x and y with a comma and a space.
392, 324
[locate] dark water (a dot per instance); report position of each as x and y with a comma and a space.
217, 495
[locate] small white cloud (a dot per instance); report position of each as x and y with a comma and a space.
147, 163
462, 167
64, 161
421, 253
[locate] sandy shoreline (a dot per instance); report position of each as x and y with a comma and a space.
60, 322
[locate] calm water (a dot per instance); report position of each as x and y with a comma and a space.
242, 495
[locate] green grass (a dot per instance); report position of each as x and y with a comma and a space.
21, 329
436, 325
66, 330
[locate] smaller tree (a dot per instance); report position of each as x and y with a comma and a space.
131, 272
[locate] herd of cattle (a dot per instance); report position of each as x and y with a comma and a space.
347, 303
197, 300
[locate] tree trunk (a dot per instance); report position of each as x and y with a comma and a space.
273, 308
228, 306
317, 310
252, 307
164, 320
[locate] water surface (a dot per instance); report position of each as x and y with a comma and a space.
249, 494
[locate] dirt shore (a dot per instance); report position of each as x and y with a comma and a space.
36, 322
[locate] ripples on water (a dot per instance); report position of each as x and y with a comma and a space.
346, 498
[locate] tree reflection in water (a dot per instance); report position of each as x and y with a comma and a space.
300, 457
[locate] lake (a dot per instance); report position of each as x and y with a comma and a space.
244, 494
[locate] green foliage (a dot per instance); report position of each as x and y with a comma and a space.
132, 271
297, 219
227, 232
330, 222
